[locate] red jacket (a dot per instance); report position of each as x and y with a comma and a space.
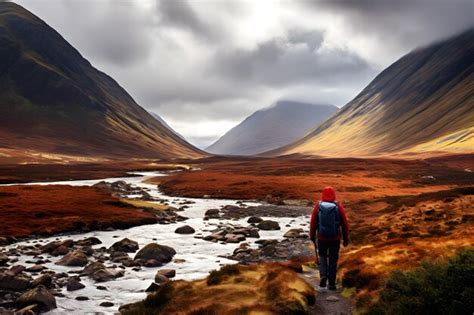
329, 194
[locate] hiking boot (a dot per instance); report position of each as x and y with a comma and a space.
332, 287
322, 283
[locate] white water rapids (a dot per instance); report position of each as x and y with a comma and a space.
200, 256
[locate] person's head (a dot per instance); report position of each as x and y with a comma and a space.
329, 194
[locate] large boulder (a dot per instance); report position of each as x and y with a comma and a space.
75, 258
268, 225
154, 254
185, 229
15, 282
40, 296
125, 245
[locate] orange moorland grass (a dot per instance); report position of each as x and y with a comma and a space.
234, 289
47, 210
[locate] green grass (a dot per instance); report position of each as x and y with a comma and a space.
445, 287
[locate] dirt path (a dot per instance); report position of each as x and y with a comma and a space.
323, 305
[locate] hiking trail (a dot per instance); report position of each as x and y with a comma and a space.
323, 305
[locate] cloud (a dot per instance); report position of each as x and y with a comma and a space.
205, 65
292, 60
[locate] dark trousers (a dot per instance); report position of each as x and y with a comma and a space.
328, 254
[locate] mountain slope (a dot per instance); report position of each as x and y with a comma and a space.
272, 127
53, 100
423, 102
164, 123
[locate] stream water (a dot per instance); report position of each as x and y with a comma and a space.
200, 257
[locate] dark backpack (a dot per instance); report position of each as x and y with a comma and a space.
328, 219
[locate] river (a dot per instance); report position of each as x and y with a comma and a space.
200, 257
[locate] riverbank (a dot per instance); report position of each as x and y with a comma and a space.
29, 210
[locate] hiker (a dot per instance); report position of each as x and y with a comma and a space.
328, 219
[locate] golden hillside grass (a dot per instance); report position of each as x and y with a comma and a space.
234, 289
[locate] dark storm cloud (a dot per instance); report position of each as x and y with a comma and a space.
401, 25
180, 14
297, 58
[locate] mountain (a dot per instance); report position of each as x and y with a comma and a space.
272, 127
424, 102
164, 123
53, 100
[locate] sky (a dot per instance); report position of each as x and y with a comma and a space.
205, 65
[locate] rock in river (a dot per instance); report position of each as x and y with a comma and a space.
185, 229
73, 284
10, 281
75, 258
125, 245
168, 273
153, 252
254, 219
268, 225
40, 296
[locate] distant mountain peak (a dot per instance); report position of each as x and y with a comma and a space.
271, 127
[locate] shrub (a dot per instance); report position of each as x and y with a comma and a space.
434, 288
216, 276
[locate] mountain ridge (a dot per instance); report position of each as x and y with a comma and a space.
53, 100
417, 104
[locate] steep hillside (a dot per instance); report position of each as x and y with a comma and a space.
423, 102
272, 127
53, 100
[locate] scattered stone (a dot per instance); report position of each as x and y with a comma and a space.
15, 282
254, 219
268, 225
211, 214
45, 280
185, 229
296, 233
91, 268
3, 259
40, 296
82, 298
106, 304
90, 241
154, 254
332, 298
160, 279
75, 258
101, 287
168, 273
73, 284
125, 245
106, 274
35, 268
